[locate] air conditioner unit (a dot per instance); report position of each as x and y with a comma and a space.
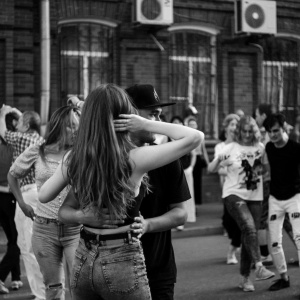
255, 16
153, 12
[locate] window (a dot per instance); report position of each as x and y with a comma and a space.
192, 69
280, 77
86, 52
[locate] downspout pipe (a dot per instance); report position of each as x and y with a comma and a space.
45, 62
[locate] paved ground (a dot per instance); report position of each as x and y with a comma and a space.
202, 273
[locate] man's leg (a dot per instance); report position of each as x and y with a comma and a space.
162, 289
275, 219
293, 209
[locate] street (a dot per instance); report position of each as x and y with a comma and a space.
204, 275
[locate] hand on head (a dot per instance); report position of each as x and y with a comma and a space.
131, 123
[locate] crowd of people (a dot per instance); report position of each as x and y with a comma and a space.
90, 205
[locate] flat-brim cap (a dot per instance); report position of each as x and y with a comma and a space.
144, 96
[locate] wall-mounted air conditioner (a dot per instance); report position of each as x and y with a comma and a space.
153, 12
255, 16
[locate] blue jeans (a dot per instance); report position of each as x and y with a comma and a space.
52, 242
111, 272
247, 216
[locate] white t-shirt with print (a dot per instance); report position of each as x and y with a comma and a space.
244, 171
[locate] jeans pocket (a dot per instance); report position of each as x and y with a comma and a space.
79, 260
121, 274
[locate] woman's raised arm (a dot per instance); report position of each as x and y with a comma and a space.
185, 139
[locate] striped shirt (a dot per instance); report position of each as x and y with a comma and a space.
20, 142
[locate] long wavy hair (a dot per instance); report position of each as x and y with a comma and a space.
247, 120
58, 129
98, 164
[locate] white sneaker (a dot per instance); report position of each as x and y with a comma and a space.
246, 284
3, 288
231, 258
16, 284
262, 273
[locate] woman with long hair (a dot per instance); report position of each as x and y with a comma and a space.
52, 241
228, 131
243, 194
106, 170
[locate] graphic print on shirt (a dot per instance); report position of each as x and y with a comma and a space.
251, 162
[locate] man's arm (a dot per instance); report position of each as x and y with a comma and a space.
176, 216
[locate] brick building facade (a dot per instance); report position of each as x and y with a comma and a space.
198, 59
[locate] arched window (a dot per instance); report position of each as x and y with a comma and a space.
86, 52
192, 65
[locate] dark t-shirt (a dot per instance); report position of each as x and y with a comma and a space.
284, 164
168, 186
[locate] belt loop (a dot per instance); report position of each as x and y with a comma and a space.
129, 237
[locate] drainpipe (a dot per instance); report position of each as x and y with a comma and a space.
45, 62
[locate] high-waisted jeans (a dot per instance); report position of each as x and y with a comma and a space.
54, 244
247, 216
112, 272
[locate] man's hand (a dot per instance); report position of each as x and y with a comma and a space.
140, 226
27, 210
104, 220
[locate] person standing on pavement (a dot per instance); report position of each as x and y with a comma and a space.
284, 158
234, 233
27, 134
10, 262
53, 243
202, 161
243, 194
188, 163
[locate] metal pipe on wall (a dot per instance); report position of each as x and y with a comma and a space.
45, 61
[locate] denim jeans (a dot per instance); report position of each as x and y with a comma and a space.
277, 211
51, 242
247, 216
112, 272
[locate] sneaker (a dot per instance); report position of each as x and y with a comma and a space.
3, 288
231, 258
180, 228
262, 273
16, 284
267, 260
246, 284
280, 284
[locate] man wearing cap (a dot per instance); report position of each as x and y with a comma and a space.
162, 208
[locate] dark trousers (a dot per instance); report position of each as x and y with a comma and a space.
11, 260
232, 228
197, 175
162, 290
